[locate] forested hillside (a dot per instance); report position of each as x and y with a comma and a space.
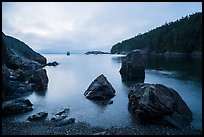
183, 36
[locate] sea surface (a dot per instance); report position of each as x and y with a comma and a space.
69, 80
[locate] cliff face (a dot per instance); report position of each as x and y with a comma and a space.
19, 64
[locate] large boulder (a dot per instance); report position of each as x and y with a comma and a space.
39, 80
16, 106
157, 103
100, 89
133, 67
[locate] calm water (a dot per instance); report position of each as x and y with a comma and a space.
69, 80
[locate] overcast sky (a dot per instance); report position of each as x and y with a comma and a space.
61, 27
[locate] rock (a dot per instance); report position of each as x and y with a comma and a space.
155, 102
133, 67
52, 63
16, 106
39, 80
66, 110
38, 116
60, 115
19, 62
100, 89
68, 53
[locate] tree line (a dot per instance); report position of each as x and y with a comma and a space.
183, 36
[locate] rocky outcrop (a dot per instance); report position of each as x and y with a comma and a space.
96, 52
133, 67
100, 89
39, 80
20, 48
38, 116
19, 63
16, 106
156, 103
68, 53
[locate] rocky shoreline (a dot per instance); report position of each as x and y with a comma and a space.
46, 127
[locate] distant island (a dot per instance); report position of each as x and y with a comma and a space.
96, 52
184, 36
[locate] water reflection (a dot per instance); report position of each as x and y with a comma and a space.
102, 103
131, 83
41, 92
118, 59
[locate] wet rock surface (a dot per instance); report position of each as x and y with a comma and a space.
39, 80
100, 89
156, 103
16, 106
133, 67
38, 116
55, 63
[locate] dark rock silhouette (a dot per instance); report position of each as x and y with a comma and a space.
156, 103
39, 80
19, 63
100, 89
52, 63
133, 67
96, 52
16, 106
68, 53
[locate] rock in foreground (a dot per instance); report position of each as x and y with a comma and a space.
38, 116
133, 67
100, 89
158, 103
16, 106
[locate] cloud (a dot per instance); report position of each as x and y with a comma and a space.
86, 26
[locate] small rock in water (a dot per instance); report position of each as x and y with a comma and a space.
38, 116
66, 110
100, 89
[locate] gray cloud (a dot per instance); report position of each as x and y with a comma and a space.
55, 27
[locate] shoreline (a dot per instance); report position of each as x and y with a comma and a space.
46, 127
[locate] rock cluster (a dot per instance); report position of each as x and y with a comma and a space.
19, 65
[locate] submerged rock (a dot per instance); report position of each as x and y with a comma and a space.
100, 89
16, 106
156, 103
38, 116
133, 67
